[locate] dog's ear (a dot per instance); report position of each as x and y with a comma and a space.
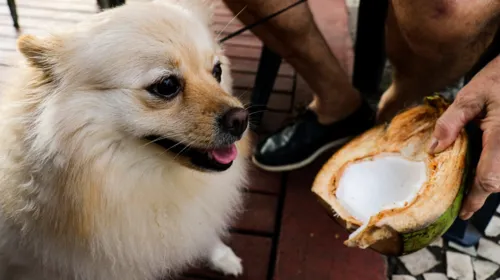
40, 53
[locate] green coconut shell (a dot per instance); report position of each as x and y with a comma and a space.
394, 238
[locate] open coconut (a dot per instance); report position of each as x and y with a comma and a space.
388, 191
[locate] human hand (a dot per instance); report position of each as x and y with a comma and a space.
479, 99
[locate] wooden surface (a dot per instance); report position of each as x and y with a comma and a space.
283, 234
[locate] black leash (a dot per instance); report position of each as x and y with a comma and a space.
261, 21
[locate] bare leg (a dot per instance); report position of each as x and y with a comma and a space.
295, 37
431, 44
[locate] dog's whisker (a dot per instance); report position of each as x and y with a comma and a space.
250, 106
157, 155
241, 94
175, 145
223, 29
257, 112
159, 139
167, 150
155, 140
187, 146
183, 149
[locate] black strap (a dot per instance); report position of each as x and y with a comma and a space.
261, 21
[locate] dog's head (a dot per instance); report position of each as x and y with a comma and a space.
152, 71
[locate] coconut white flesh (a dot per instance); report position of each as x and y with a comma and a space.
381, 183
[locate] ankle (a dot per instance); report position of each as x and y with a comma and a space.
330, 114
325, 119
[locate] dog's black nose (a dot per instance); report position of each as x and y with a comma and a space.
235, 121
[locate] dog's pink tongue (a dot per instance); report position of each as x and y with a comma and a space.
224, 155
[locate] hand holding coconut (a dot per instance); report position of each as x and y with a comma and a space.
480, 100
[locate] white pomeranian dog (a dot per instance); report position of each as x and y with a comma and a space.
123, 152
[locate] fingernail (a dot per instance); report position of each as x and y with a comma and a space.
465, 215
433, 144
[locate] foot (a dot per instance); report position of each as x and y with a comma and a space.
301, 142
223, 259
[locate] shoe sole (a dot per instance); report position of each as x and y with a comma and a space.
300, 164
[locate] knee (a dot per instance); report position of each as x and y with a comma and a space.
431, 27
429, 38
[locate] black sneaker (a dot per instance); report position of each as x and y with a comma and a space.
301, 142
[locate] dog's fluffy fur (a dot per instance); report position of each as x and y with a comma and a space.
82, 195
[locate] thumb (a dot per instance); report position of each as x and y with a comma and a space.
464, 109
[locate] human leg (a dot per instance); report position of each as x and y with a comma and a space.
337, 111
296, 38
432, 44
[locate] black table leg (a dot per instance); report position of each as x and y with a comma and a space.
267, 72
13, 12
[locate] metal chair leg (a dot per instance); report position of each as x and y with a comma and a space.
108, 4
13, 12
267, 72
369, 48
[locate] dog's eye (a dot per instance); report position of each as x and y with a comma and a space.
217, 72
168, 87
